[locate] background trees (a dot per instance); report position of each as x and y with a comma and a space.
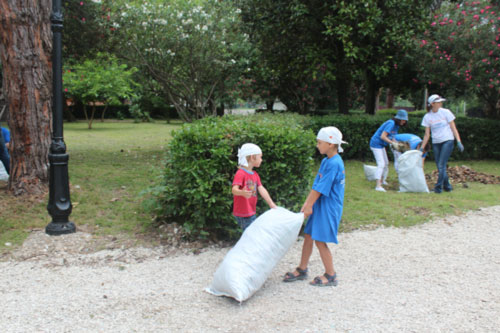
188, 48
460, 53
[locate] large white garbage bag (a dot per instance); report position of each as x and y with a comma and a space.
248, 264
410, 172
3, 173
370, 172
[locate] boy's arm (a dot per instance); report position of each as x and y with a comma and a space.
241, 192
307, 208
265, 195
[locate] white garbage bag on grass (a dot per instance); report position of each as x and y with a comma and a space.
248, 264
370, 171
410, 172
3, 173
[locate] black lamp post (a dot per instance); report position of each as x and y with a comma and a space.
59, 205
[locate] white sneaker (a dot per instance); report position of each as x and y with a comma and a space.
380, 189
385, 183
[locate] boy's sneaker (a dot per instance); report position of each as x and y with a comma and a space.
380, 189
385, 183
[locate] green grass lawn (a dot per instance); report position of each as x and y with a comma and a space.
112, 163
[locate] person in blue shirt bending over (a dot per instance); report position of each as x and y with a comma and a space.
383, 137
323, 206
413, 141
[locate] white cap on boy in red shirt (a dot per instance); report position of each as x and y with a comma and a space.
248, 149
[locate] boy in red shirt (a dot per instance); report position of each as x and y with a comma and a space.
246, 183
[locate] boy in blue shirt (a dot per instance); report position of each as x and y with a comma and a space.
324, 205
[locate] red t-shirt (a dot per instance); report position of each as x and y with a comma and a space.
242, 206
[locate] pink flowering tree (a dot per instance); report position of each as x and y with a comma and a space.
460, 53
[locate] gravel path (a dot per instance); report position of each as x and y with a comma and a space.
441, 276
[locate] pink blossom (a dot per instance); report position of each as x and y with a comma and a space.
65, 89
464, 12
81, 3
442, 23
482, 11
450, 21
476, 17
433, 24
429, 82
478, 85
487, 7
83, 19
458, 73
475, 51
490, 53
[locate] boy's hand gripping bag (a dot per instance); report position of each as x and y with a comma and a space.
410, 172
248, 264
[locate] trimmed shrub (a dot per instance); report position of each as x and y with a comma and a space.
202, 160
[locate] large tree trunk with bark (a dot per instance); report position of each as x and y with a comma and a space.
25, 51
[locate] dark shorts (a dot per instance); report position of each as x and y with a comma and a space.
244, 222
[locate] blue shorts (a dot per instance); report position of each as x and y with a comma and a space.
244, 222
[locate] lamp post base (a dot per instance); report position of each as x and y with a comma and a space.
56, 229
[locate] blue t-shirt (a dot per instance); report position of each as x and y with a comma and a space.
412, 139
390, 127
327, 210
6, 135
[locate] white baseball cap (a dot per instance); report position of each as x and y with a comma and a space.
331, 134
435, 99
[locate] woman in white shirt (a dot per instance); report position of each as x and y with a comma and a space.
439, 125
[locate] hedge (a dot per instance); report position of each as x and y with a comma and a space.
202, 160
480, 137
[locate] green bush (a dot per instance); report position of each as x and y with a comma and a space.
202, 160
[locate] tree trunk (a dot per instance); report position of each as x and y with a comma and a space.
389, 99
371, 92
269, 105
343, 91
25, 51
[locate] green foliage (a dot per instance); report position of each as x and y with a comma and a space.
202, 160
102, 79
480, 137
460, 55
188, 49
85, 34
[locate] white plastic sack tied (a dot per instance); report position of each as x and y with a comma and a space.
370, 171
248, 264
410, 172
3, 173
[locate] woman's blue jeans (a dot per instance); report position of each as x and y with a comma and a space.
442, 152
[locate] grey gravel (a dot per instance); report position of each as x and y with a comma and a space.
442, 276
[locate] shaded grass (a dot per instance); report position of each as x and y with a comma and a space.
112, 163
108, 167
